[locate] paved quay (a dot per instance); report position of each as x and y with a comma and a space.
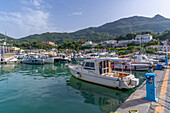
136, 100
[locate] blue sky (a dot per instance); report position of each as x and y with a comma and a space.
21, 18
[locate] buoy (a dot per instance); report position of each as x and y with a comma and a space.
67, 65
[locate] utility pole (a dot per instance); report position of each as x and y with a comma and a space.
167, 48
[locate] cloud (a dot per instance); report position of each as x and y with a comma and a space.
76, 13
31, 19
37, 2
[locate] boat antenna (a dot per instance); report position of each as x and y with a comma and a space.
122, 65
5, 36
114, 65
131, 67
134, 56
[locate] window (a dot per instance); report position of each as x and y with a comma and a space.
104, 70
101, 64
107, 63
83, 64
89, 65
104, 64
143, 57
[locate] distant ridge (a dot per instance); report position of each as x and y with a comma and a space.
9, 39
135, 24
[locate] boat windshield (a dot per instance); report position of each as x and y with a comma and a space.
83, 64
89, 65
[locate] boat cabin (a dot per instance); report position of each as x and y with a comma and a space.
102, 67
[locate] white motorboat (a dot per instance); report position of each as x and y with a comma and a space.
92, 56
130, 66
80, 58
34, 61
160, 57
99, 71
9, 58
49, 60
61, 57
141, 59
112, 55
126, 64
103, 54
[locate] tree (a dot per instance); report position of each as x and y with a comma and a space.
130, 48
156, 49
26, 40
122, 52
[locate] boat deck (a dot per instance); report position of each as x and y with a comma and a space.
117, 74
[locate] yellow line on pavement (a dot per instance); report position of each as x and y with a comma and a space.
160, 107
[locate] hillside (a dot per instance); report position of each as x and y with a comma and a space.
136, 24
9, 39
123, 26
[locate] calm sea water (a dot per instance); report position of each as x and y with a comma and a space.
52, 89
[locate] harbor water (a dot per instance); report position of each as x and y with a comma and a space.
51, 88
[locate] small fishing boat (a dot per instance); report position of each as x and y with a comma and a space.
92, 56
141, 59
80, 58
8, 58
130, 66
34, 61
99, 71
49, 61
61, 57
126, 64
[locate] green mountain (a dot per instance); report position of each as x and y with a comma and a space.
9, 39
135, 24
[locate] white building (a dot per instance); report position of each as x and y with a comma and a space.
125, 41
6, 49
87, 43
110, 43
161, 47
143, 38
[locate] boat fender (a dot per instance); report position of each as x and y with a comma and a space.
78, 75
118, 83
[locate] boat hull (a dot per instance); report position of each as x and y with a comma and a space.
34, 62
131, 67
49, 61
61, 60
101, 80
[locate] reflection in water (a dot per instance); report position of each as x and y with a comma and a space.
48, 70
108, 99
6, 68
38, 71
50, 88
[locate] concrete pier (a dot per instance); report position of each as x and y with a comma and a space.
136, 100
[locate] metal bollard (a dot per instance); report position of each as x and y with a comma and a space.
166, 61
